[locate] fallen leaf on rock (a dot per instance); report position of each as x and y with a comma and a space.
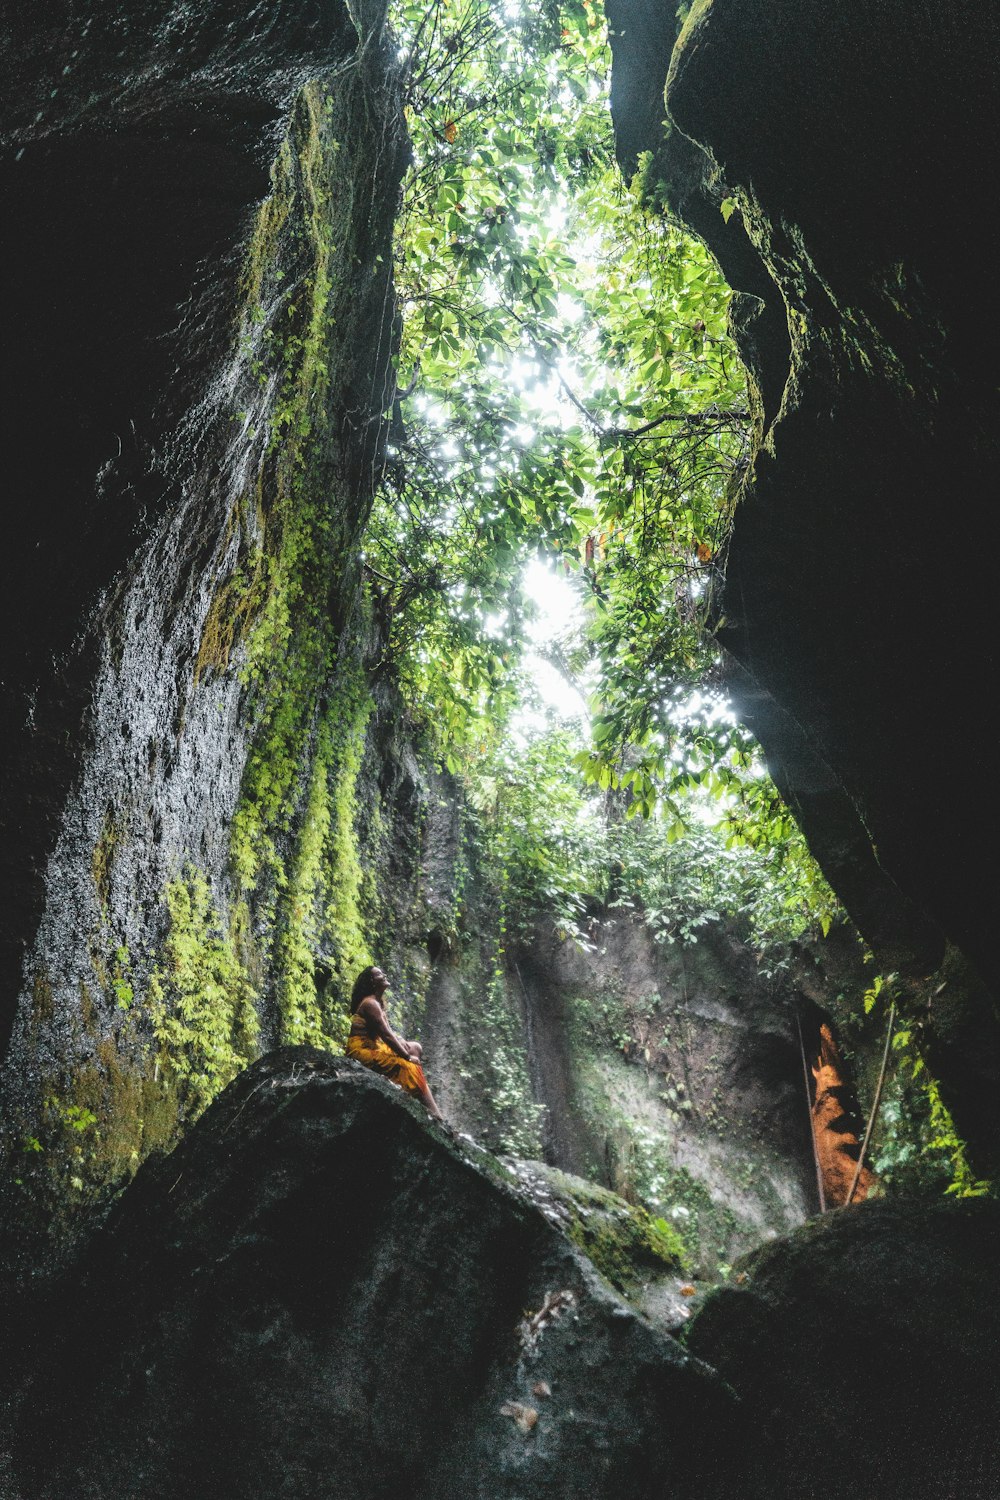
524, 1416
541, 1389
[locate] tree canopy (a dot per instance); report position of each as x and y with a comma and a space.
567, 390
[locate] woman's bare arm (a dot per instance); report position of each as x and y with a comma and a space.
376, 1018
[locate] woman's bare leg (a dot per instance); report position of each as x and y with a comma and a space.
431, 1105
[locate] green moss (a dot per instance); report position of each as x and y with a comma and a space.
121, 985
92, 1121
112, 1111
345, 924
102, 857
201, 1001
625, 1242
272, 219
690, 16
294, 845
322, 903
88, 1128
239, 599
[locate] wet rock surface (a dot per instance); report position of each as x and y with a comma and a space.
672, 1074
160, 165
865, 1346
318, 1293
135, 144
642, 1257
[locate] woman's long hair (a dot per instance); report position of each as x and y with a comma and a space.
364, 986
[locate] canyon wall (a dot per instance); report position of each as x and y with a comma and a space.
832, 158
199, 206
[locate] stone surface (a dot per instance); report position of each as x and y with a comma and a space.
319, 1294
864, 1351
643, 1258
135, 145
199, 207
667, 1071
671, 1073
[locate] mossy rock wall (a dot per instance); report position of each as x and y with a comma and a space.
671, 1074
203, 847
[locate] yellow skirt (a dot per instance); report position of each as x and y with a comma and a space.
379, 1055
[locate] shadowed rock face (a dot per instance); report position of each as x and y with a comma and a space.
318, 1294
854, 138
863, 1350
199, 207
667, 1066
135, 148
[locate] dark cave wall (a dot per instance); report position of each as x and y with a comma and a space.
857, 614
137, 144
198, 213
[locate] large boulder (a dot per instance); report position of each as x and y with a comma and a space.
864, 1351
320, 1294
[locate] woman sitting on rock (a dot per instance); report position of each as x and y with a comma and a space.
373, 1042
